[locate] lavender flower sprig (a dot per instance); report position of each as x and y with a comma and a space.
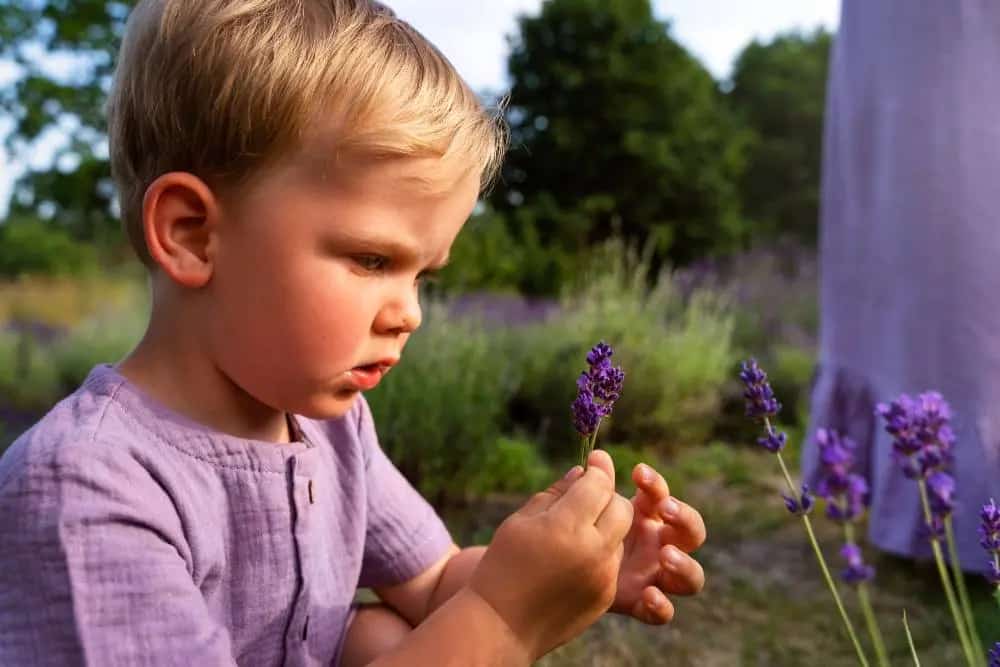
762, 404
846, 495
598, 388
989, 538
922, 446
995, 655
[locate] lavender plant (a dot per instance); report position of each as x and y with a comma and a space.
761, 404
989, 538
598, 388
846, 495
922, 446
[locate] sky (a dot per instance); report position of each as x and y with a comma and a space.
472, 34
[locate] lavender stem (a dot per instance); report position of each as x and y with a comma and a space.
963, 594
946, 582
866, 609
909, 639
822, 563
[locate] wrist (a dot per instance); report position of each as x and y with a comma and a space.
494, 622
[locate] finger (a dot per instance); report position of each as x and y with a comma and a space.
587, 497
542, 500
601, 459
616, 520
653, 607
652, 490
683, 525
681, 574
650, 482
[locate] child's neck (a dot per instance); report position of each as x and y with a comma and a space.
187, 382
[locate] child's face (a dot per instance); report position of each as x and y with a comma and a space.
315, 284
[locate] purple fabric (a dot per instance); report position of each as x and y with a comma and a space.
130, 535
910, 248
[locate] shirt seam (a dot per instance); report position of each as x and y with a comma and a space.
137, 422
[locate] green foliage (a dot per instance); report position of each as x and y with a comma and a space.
779, 91
444, 404
791, 371
483, 257
34, 247
616, 129
677, 356
29, 379
104, 338
509, 465
626, 457
88, 31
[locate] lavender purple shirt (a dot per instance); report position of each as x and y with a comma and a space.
130, 535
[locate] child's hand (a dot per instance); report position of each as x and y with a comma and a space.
552, 566
656, 560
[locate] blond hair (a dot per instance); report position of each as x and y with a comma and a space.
223, 88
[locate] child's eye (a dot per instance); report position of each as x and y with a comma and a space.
372, 263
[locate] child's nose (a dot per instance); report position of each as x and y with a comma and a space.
400, 317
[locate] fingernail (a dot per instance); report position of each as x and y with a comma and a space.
645, 473
671, 558
573, 473
669, 509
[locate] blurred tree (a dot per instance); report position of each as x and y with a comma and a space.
778, 88
65, 51
615, 129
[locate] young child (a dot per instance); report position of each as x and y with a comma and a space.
288, 171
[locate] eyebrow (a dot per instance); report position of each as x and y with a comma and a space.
390, 246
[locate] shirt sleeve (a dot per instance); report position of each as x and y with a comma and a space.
404, 535
93, 571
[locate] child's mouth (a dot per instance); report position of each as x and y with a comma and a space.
368, 376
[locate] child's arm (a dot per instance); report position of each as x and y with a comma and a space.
656, 561
548, 574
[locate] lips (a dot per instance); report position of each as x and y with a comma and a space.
368, 376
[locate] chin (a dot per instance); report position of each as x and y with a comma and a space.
329, 406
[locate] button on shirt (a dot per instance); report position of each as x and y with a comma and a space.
131, 535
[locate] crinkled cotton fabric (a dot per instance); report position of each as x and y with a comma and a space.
130, 535
910, 248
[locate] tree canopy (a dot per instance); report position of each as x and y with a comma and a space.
617, 129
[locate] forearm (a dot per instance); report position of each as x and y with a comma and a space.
455, 575
463, 630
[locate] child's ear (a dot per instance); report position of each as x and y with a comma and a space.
180, 216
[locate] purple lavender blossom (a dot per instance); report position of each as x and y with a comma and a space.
995, 655
845, 492
773, 441
989, 538
597, 390
586, 414
856, 571
922, 435
801, 505
922, 446
941, 493
760, 400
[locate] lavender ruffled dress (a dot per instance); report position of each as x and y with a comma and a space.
910, 247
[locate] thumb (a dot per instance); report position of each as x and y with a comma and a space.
602, 460
542, 500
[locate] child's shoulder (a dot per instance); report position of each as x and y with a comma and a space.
81, 430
